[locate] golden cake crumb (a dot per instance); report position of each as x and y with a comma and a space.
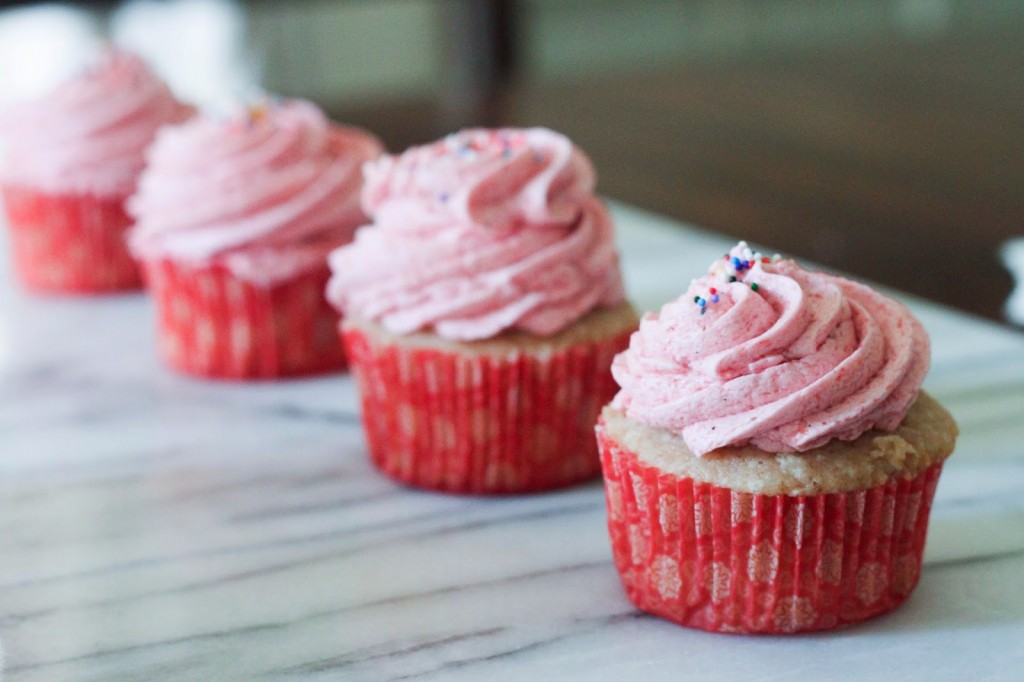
597, 324
925, 437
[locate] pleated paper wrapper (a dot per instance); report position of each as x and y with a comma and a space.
711, 558
72, 244
483, 424
213, 324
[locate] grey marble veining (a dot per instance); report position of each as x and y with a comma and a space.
155, 527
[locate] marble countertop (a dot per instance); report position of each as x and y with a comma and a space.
155, 527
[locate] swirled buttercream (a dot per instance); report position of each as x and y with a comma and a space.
481, 232
268, 192
763, 352
89, 135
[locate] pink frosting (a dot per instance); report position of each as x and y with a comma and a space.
268, 192
90, 134
785, 359
483, 231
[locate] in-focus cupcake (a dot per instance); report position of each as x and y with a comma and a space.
482, 309
770, 460
235, 218
70, 160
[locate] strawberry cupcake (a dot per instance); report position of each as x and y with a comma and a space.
770, 461
482, 310
70, 159
234, 221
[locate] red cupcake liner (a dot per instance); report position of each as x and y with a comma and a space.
711, 558
70, 243
215, 325
482, 424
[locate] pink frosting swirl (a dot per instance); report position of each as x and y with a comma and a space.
268, 192
781, 358
90, 134
483, 231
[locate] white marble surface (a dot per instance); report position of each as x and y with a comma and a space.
154, 527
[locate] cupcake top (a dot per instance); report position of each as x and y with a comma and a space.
89, 135
268, 192
481, 232
762, 352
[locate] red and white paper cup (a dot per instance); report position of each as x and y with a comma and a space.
212, 324
721, 560
482, 422
69, 243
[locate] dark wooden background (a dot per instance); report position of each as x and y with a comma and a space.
898, 160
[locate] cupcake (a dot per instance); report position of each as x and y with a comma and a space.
770, 461
71, 159
482, 310
234, 221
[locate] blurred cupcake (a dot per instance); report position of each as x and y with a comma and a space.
482, 309
235, 219
770, 461
70, 160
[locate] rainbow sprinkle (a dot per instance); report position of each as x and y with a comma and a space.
257, 113
470, 145
732, 267
702, 301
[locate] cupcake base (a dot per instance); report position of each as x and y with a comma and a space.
717, 559
508, 415
70, 243
212, 324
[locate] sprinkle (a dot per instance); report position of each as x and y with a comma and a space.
702, 301
538, 157
737, 263
442, 197
256, 113
753, 286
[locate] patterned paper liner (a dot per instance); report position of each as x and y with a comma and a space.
215, 325
711, 558
472, 423
70, 243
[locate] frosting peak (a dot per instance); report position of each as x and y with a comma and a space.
268, 191
89, 134
762, 352
482, 231
494, 179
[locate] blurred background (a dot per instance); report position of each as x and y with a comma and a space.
880, 137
